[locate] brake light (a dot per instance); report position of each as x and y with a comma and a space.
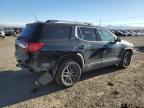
34, 47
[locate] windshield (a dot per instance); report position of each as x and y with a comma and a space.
31, 32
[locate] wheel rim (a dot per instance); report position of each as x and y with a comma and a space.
70, 74
126, 59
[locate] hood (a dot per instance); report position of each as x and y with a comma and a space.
127, 43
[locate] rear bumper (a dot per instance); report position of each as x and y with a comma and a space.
35, 67
36, 61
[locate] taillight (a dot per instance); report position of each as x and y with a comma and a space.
33, 47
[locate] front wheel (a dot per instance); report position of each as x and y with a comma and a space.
68, 73
126, 59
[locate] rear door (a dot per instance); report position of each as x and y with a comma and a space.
90, 46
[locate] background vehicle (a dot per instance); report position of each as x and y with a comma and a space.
133, 32
9, 31
119, 33
127, 33
2, 33
140, 34
67, 49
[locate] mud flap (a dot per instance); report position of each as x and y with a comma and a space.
45, 79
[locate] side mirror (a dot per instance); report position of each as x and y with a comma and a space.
118, 39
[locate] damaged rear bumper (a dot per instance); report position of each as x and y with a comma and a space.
35, 67
45, 78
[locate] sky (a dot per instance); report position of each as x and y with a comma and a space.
108, 12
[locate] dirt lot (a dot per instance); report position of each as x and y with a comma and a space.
104, 88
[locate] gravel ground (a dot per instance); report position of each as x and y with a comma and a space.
104, 88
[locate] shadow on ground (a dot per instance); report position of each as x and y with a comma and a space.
140, 49
16, 86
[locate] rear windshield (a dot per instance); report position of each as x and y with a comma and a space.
51, 32
32, 32
35, 32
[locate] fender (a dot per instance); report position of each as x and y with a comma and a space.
82, 58
129, 48
75, 55
125, 49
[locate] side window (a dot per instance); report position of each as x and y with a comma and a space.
56, 32
105, 35
88, 34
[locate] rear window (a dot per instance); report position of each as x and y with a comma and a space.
51, 32
35, 32
32, 32
27, 32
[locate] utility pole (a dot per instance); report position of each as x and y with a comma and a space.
100, 22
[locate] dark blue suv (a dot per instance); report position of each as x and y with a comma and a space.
63, 50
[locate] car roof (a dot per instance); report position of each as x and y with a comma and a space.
68, 23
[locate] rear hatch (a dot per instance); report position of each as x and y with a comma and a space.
37, 35
27, 39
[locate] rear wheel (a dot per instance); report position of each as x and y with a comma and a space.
68, 73
126, 59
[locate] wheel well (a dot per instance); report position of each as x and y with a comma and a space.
130, 50
74, 57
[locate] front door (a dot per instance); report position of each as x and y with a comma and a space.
111, 48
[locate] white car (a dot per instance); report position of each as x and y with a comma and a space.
2, 33
140, 33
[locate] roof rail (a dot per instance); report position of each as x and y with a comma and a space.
71, 22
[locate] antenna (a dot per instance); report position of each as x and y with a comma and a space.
35, 17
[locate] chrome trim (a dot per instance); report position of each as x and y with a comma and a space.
76, 35
20, 44
103, 61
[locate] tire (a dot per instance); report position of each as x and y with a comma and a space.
68, 73
126, 59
